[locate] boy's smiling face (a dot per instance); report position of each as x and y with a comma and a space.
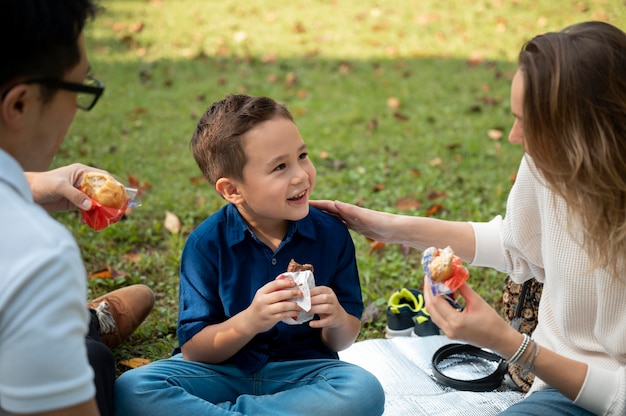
278, 176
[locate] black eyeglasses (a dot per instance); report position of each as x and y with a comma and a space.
87, 92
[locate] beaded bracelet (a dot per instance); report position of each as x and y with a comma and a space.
528, 365
521, 350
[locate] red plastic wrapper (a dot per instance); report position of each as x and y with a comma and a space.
100, 217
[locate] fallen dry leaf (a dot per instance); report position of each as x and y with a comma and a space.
436, 162
135, 362
108, 273
376, 247
132, 257
495, 134
407, 204
393, 103
171, 223
433, 209
404, 249
370, 314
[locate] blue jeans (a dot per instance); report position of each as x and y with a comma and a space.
175, 386
546, 402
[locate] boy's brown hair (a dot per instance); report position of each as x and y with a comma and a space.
217, 141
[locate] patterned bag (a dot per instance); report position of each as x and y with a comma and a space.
521, 305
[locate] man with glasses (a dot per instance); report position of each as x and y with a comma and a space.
48, 363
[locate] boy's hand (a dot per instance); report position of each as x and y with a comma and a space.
272, 303
325, 304
339, 328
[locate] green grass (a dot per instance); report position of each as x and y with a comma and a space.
335, 63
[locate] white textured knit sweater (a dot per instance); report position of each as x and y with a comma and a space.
582, 313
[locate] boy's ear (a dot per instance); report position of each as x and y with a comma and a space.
229, 190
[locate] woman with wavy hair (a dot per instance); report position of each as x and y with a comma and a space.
565, 224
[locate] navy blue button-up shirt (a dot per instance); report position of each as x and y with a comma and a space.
224, 264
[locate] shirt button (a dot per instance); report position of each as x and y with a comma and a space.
274, 261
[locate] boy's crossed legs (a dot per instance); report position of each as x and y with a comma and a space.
305, 387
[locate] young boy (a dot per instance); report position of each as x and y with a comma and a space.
236, 356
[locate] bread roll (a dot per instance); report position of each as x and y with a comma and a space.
104, 189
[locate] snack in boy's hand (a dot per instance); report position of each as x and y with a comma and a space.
294, 266
444, 269
109, 199
302, 275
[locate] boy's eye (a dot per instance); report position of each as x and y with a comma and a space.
280, 167
304, 155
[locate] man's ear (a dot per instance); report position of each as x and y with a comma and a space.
13, 106
229, 190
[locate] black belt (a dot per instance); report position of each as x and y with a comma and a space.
488, 383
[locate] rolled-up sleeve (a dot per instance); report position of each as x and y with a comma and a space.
488, 241
602, 392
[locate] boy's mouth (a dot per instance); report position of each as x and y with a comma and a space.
297, 197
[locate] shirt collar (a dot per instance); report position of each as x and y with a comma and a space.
13, 175
236, 227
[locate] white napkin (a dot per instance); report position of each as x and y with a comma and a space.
305, 281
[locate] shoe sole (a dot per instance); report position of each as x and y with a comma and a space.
393, 333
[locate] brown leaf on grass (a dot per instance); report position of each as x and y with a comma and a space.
406, 204
108, 273
171, 222
404, 249
416, 172
197, 180
436, 194
376, 247
291, 79
132, 257
135, 362
345, 67
495, 134
433, 209
393, 103
134, 182
378, 187
298, 27
400, 116
370, 314
475, 59
339, 164
372, 124
270, 58
136, 27
436, 162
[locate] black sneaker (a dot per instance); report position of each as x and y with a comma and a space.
406, 313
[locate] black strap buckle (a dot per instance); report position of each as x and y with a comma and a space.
487, 383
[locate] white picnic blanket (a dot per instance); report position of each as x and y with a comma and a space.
403, 366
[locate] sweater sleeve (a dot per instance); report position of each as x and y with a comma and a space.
488, 241
603, 391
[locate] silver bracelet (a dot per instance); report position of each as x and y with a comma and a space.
521, 350
528, 365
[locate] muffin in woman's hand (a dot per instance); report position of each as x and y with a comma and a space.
444, 269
